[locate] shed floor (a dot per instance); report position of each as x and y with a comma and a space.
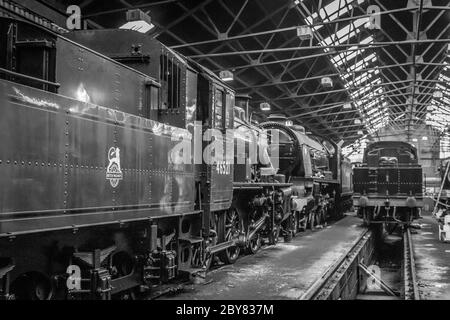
432, 259
284, 271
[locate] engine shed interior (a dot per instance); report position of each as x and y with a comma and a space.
149, 146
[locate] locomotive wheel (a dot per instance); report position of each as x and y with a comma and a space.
229, 228
274, 235
122, 263
32, 286
255, 244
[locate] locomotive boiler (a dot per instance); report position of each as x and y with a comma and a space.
388, 184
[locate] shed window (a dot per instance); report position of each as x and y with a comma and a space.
151, 99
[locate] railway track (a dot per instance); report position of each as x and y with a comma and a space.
347, 278
411, 290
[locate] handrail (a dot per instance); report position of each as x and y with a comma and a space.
20, 75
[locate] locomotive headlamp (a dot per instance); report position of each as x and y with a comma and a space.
138, 20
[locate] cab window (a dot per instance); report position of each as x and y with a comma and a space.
170, 78
219, 107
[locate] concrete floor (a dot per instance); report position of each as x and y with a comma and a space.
284, 271
432, 261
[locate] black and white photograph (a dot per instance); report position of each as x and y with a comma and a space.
222, 158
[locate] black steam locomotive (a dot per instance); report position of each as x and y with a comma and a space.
321, 177
103, 191
388, 185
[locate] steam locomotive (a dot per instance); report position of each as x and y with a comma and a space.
105, 187
321, 177
388, 184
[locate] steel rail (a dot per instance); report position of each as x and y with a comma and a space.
411, 290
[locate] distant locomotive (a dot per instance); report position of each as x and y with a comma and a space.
388, 184
321, 177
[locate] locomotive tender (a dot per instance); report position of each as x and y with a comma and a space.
388, 185
93, 203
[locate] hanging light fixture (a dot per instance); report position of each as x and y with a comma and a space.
347, 106
327, 82
139, 21
438, 94
226, 76
264, 106
304, 32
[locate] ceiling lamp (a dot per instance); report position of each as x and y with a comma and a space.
327, 82
424, 138
226, 76
438, 95
360, 133
289, 123
139, 21
357, 121
347, 106
304, 32
264, 106
415, 140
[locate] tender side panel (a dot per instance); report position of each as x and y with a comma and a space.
31, 151
90, 133
55, 158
